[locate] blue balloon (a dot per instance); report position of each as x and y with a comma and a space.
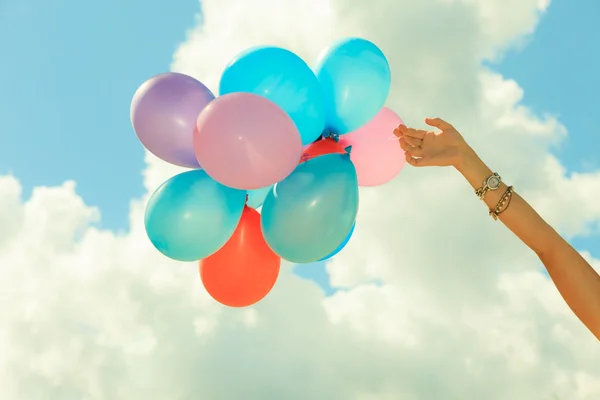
191, 216
256, 197
308, 214
284, 78
341, 246
356, 79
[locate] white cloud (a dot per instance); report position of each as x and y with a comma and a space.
462, 311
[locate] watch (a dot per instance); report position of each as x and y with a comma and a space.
491, 183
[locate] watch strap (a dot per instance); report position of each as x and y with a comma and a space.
485, 188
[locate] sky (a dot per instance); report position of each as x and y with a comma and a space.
95, 310
66, 89
560, 76
65, 106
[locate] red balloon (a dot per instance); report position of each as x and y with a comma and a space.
245, 269
322, 147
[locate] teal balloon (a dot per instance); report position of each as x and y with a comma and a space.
356, 79
308, 214
256, 197
191, 216
341, 246
284, 78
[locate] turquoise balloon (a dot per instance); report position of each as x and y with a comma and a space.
256, 197
191, 216
284, 78
356, 79
308, 214
341, 246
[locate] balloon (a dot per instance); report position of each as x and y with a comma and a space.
256, 197
376, 153
284, 78
307, 215
244, 270
163, 113
341, 246
355, 77
246, 141
191, 216
322, 147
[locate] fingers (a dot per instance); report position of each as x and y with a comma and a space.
409, 149
417, 162
400, 130
438, 123
403, 130
412, 161
413, 142
405, 146
415, 133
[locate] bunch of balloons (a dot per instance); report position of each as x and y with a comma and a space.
293, 140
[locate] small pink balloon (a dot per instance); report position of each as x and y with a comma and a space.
246, 141
376, 153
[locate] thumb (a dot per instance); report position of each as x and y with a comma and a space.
438, 123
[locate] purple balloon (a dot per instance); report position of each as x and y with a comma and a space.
163, 113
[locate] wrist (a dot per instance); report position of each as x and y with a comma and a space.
467, 160
472, 168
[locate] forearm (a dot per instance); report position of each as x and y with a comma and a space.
575, 279
577, 282
519, 217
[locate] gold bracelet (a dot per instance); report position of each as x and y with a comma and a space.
503, 203
491, 183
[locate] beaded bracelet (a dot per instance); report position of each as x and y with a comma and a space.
503, 203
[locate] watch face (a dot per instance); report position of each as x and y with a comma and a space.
494, 182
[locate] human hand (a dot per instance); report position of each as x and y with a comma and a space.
424, 148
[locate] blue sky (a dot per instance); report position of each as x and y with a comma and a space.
73, 66
559, 73
70, 71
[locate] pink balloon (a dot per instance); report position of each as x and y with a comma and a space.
376, 153
246, 141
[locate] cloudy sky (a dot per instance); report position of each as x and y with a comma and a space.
430, 300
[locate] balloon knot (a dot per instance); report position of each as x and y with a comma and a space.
348, 150
304, 157
246, 197
329, 134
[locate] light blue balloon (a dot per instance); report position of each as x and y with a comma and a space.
191, 216
308, 214
284, 78
341, 246
356, 79
256, 197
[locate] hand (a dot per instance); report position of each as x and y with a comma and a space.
423, 148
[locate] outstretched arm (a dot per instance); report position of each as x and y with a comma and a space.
575, 279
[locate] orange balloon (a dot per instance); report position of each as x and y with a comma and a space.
322, 147
245, 269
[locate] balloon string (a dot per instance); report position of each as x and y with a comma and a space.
246, 198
